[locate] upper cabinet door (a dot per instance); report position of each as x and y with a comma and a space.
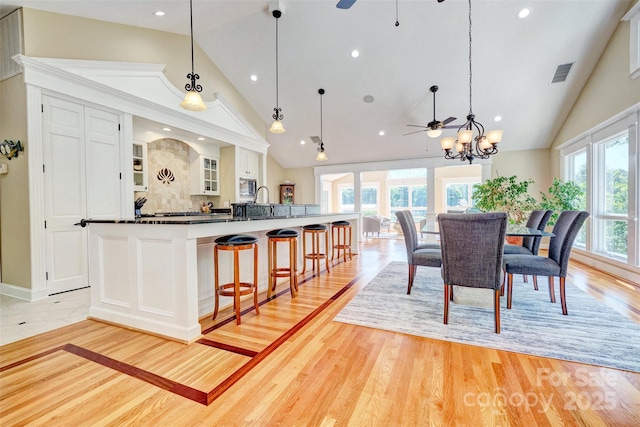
140, 166
204, 175
249, 164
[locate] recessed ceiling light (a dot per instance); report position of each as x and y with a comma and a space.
158, 13
381, 133
200, 138
497, 118
254, 78
166, 129
524, 12
355, 53
302, 142
368, 99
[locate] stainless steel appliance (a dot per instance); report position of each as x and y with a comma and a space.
247, 187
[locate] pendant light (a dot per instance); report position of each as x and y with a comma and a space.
192, 100
276, 126
322, 156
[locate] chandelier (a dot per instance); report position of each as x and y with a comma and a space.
276, 126
466, 145
192, 100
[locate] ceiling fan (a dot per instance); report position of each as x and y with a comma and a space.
346, 4
434, 128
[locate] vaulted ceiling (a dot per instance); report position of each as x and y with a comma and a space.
513, 62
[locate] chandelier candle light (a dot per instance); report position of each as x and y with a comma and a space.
276, 126
468, 147
192, 100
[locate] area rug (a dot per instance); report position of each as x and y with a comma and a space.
591, 333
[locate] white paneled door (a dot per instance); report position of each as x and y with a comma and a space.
81, 149
104, 182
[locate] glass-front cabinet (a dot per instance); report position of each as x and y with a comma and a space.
140, 175
205, 175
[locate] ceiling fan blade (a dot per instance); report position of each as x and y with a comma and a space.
449, 120
418, 126
450, 127
345, 4
418, 131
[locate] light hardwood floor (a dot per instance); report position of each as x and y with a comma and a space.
292, 365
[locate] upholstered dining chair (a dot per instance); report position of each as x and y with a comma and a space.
530, 245
424, 254
472, 246
555, 264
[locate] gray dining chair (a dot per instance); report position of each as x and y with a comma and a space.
423, 254
530, 245
555, 264
472, 246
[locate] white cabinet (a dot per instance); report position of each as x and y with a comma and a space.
249, 164
140, 164
204, 174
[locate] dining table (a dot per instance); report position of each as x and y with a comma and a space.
512, 230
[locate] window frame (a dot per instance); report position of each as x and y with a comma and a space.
592, 142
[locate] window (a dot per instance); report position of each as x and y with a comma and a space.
407, 190
577, 172
612, 175
602, 164
633, 16
347, 200
369, 201
458, 194
411, 197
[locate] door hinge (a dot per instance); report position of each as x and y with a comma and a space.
118, 126
42, 108
45, 224
46, 275
120, 175
43, 168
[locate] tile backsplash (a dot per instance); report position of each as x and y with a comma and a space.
169, 186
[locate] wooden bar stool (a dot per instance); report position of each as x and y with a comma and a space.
341, 233
286, 236
315, 230
235, 289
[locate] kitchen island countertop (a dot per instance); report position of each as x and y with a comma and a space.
155, 273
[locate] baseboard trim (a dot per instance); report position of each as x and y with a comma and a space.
21, 293
608, 266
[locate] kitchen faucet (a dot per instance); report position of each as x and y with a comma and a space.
255, 197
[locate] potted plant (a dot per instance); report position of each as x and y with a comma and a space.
561, 196
505, 194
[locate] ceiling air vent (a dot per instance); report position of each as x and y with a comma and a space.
561, 73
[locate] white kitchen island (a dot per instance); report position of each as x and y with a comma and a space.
155, 274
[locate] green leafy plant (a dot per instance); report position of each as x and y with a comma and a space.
561, 196
505, 194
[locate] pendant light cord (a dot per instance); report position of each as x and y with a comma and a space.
321, 140
277, 101
191, 17
470, 72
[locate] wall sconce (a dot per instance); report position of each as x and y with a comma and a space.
10, 149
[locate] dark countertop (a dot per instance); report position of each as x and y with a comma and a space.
190, 219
